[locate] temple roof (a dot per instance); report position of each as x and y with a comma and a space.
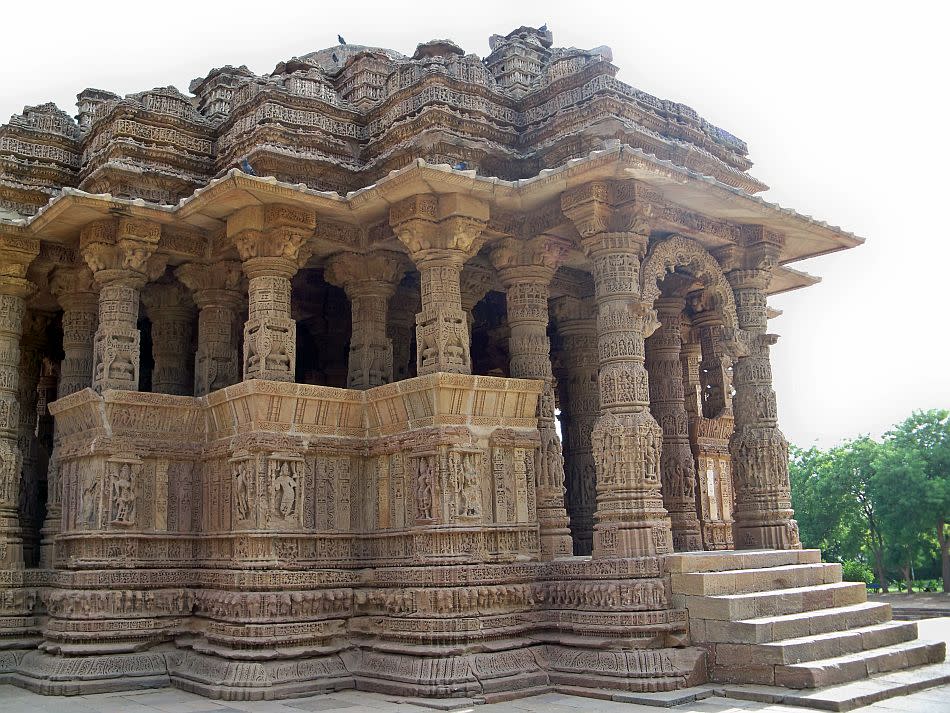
343, 117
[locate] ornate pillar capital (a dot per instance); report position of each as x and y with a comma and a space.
74, 287
214, 284
121, 251
446, 227
272, 240
534, 260
17, 253
373, 273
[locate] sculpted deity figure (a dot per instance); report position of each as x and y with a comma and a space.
123, 496
285, 490
424, 488
470, 500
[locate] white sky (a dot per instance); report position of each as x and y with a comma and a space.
844, 106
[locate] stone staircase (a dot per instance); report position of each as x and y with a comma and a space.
784, 618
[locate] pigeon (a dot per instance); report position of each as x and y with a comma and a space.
335, 58
339, 38
460, 166
543, 28
247, 168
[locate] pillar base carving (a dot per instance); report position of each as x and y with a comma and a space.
630, 518
763, 514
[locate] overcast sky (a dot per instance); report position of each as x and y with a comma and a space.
844, 107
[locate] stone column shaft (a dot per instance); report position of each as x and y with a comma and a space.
80, 321
369, 281
442, 334
32, 343
577, 331
403, 307
75, 290
668, 407
526, 268
117, 341
763, 510
630, 520
169, 308
218, 291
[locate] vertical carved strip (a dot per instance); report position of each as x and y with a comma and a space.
668, 407
577, 331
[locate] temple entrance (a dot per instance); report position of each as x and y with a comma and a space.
689, 362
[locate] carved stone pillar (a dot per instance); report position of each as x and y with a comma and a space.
577, 333
667, 405
709, 372
763, 512
218, 290
46, 475
369, 281
120, 254
32, 343
526, 268
15, 256
272, 243
403, 307
630, 520
76, 291
171, 311
441, 233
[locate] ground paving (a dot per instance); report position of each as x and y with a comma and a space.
16, 700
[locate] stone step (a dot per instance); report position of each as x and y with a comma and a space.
740, 581
762, 630
737, 559
833, 644
843, 696
776, 602
856, 666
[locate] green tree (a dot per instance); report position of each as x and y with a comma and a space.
918, 453
901, 494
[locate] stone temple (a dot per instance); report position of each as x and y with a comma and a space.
421, 375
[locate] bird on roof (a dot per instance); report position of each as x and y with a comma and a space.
543, 28
339, 38
247, 168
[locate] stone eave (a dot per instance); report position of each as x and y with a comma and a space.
207, 207
786, 279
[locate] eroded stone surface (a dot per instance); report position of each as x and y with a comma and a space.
292, 428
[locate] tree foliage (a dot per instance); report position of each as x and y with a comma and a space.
882, 503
